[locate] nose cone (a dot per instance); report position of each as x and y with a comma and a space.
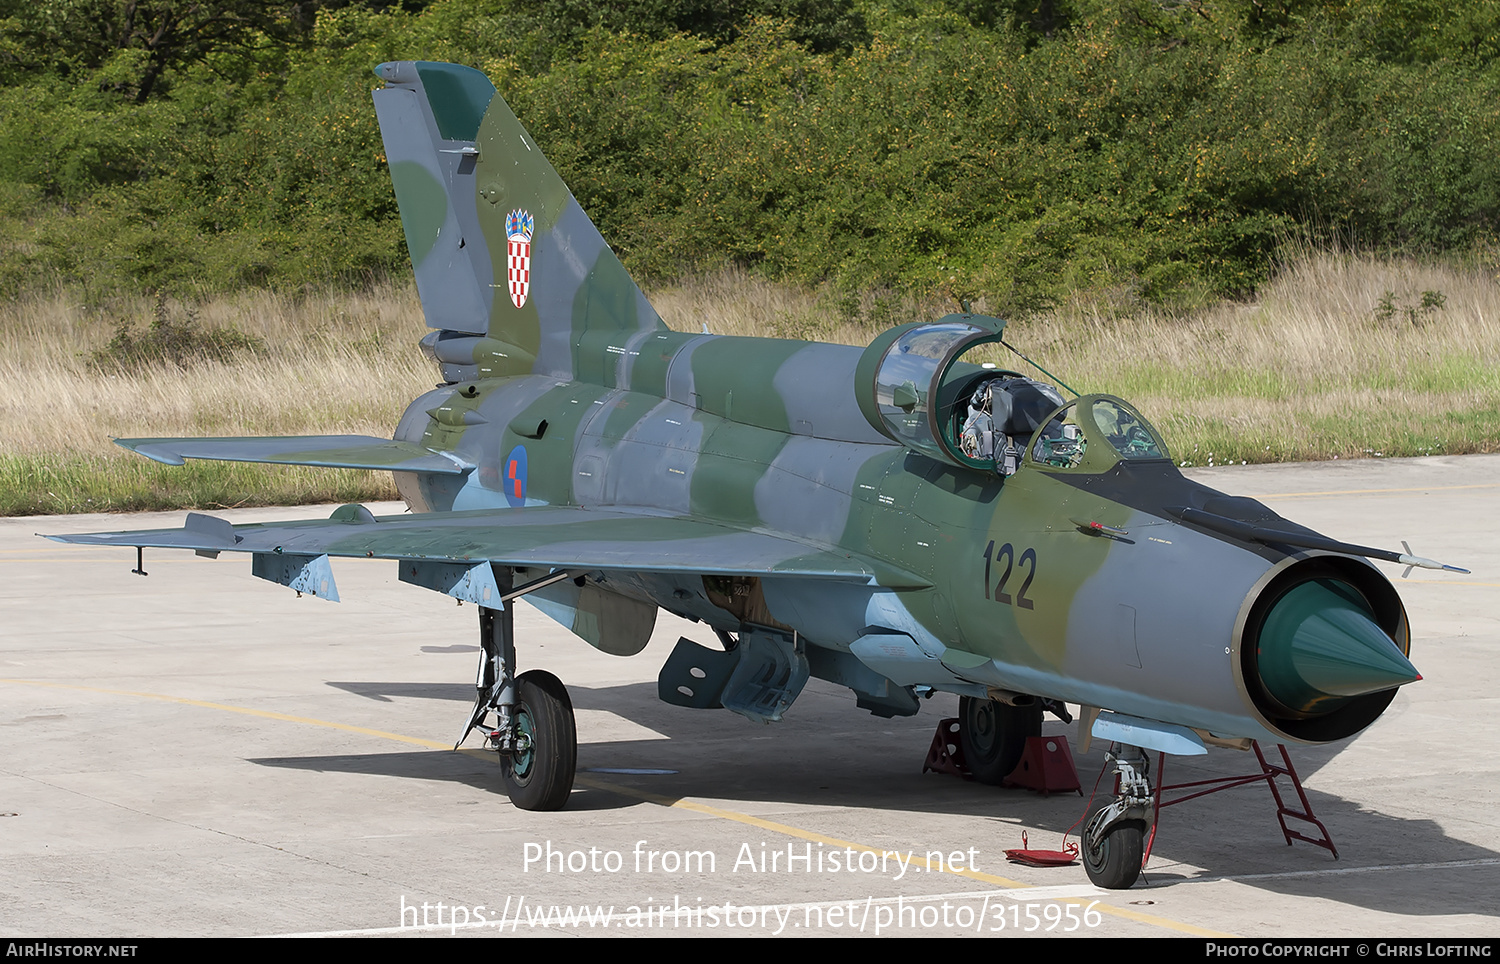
1320, 646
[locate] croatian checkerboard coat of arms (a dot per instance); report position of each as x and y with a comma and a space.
519, 226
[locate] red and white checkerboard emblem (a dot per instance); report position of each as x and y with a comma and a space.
519, 226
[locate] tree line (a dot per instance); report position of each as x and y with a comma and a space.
1014, 150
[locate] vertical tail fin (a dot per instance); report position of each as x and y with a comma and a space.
511, 272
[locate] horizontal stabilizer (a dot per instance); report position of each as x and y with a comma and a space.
535, 536
323, 451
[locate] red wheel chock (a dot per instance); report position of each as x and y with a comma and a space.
1046, 766
946, 755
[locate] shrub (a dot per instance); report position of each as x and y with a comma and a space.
181, 342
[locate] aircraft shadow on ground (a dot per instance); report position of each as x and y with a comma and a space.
827, 753
383, 692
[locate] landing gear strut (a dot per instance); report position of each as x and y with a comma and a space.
1114, 836
533, 728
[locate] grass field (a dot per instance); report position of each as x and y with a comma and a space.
1342, 355
333, 363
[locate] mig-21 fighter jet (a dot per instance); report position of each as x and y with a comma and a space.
899, 519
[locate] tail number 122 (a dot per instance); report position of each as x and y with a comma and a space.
1007, 552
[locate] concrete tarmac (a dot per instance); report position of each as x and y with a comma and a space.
200, 752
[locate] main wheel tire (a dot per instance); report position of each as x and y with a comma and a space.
993, 736
540, 777
1116, 864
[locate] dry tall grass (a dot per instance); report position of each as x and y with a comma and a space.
334, 363
1338, 357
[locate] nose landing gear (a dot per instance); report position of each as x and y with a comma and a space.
1114, 836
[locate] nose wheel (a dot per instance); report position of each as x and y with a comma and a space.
1114, 837
1114, 861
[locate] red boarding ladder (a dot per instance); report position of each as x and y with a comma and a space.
1268, 772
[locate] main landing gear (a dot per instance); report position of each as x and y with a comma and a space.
533, 728
538, 770
993, 735
1114, 837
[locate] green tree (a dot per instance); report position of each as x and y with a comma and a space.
130, 45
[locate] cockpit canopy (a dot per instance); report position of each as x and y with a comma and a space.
915, 387
1092, 433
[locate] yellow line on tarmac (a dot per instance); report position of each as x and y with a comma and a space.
648, 797
815, 837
